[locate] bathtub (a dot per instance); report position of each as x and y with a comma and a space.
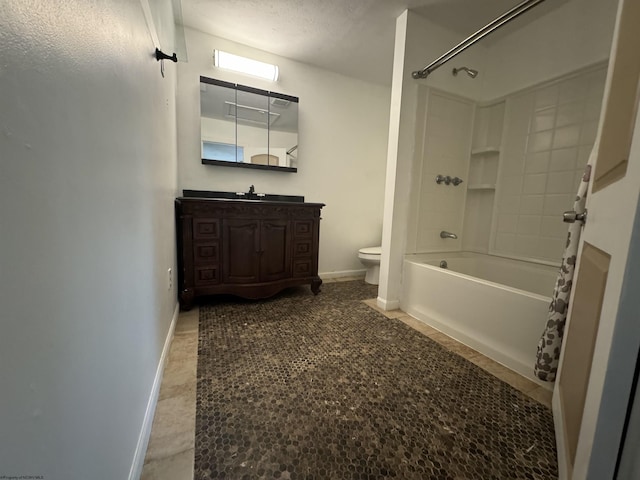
495, 305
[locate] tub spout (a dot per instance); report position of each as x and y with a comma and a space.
444, 234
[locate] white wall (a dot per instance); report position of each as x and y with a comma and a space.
343, 128
216, 130
87, 179
426, 41
574, 35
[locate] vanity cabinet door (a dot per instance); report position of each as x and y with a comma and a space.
275, 252
241, 251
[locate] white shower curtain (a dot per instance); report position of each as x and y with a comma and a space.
548, 355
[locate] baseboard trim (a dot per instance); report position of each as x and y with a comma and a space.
388, 304
342, 273
145, 432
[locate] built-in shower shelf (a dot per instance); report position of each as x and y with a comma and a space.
485, 150
481, 186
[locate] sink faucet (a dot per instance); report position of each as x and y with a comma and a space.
252, 190
444, 234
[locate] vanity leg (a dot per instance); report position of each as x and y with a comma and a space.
315, 285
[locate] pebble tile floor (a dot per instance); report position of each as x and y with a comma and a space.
330, 387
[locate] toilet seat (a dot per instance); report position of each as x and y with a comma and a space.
370, 253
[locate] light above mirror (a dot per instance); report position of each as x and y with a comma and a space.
245, 65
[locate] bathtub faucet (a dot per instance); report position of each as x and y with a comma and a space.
444, 234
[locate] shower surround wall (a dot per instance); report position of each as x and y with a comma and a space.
443, 137
483, 170
549, 135
519, 177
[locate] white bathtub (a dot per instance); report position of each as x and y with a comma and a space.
495, 305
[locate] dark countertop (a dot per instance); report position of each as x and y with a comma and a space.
226, 197
257, 196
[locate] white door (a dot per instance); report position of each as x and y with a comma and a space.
600, 347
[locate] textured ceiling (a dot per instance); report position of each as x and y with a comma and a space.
352, 37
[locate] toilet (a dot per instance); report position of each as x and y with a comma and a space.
370, 258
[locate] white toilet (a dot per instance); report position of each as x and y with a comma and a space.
370, 258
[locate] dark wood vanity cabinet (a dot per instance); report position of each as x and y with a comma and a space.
252, 249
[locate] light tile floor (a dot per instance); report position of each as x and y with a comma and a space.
171, 446
170, 453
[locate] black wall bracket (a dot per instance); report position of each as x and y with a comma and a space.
161, 57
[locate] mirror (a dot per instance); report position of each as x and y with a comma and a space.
246, 127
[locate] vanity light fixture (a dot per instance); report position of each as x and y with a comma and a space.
245, 65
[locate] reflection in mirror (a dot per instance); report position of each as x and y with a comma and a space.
252, 117
218, 123
247, 127
283, 130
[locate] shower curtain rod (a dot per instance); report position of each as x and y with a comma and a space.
486, 30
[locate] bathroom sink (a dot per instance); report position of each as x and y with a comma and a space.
263, 197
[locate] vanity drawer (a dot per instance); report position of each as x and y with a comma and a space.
302, 248
207, 275
303, 228
208, 252
302, 267
206, 228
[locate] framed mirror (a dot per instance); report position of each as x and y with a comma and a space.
247, 127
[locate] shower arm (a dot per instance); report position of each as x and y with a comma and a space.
484, 31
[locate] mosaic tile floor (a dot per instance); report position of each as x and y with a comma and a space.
304, 387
